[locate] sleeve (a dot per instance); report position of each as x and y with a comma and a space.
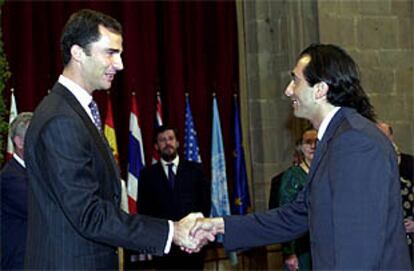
79, 183
360, 178
274, 226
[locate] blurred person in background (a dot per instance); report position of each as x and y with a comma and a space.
13, 182
406, 167
296, 253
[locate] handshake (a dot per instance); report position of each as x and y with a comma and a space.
194, 231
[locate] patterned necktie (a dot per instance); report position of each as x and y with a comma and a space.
95, 115
171, 176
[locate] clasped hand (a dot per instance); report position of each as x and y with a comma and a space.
194, 231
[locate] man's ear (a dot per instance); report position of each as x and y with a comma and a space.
77, 53
321, 90
156, 147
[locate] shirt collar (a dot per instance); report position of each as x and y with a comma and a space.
175, 162
326, 121
19, 160
83, 97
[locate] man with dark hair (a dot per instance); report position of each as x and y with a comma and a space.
13, 184
351, 204
171, 189
74, 216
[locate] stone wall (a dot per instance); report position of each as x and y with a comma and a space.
379, 35
275, 32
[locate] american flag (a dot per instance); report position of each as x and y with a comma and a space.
191, 150
136, 159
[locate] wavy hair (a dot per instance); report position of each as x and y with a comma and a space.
334, 66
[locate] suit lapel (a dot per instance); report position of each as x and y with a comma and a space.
323, 144
100, 142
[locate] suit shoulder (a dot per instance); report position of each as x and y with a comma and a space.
361, 133
150, 169
190, 164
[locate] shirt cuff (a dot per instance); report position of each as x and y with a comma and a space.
170, 237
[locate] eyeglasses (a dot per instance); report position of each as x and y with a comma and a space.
309, 141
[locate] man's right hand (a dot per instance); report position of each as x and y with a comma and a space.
182, 236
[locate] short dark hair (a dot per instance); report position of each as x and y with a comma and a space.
162, 129
334, 66
82, 29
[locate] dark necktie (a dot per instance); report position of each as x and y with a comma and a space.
171, 176
95, 115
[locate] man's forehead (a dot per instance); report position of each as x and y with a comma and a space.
168, 132
110, 39
301, 64
310, 135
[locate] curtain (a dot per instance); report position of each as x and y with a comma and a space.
172, 47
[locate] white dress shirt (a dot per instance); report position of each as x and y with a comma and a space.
165, 164
326, 121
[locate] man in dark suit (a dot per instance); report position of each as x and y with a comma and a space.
352, 203
13, 182
171, 189
74, 216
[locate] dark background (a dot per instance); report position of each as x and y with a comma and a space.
172, 47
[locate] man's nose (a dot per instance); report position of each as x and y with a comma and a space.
118, 64
289, 90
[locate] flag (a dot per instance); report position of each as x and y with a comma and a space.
219, 196
109, 130
158, 123
241, 199
191, 150
136, 160
12, 115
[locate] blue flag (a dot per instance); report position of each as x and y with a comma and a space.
219, 196
241, 199
191, 150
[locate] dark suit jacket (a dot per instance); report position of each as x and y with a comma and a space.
13, 215
351, 205
74, 219
191, 194
407, 166
274, 190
